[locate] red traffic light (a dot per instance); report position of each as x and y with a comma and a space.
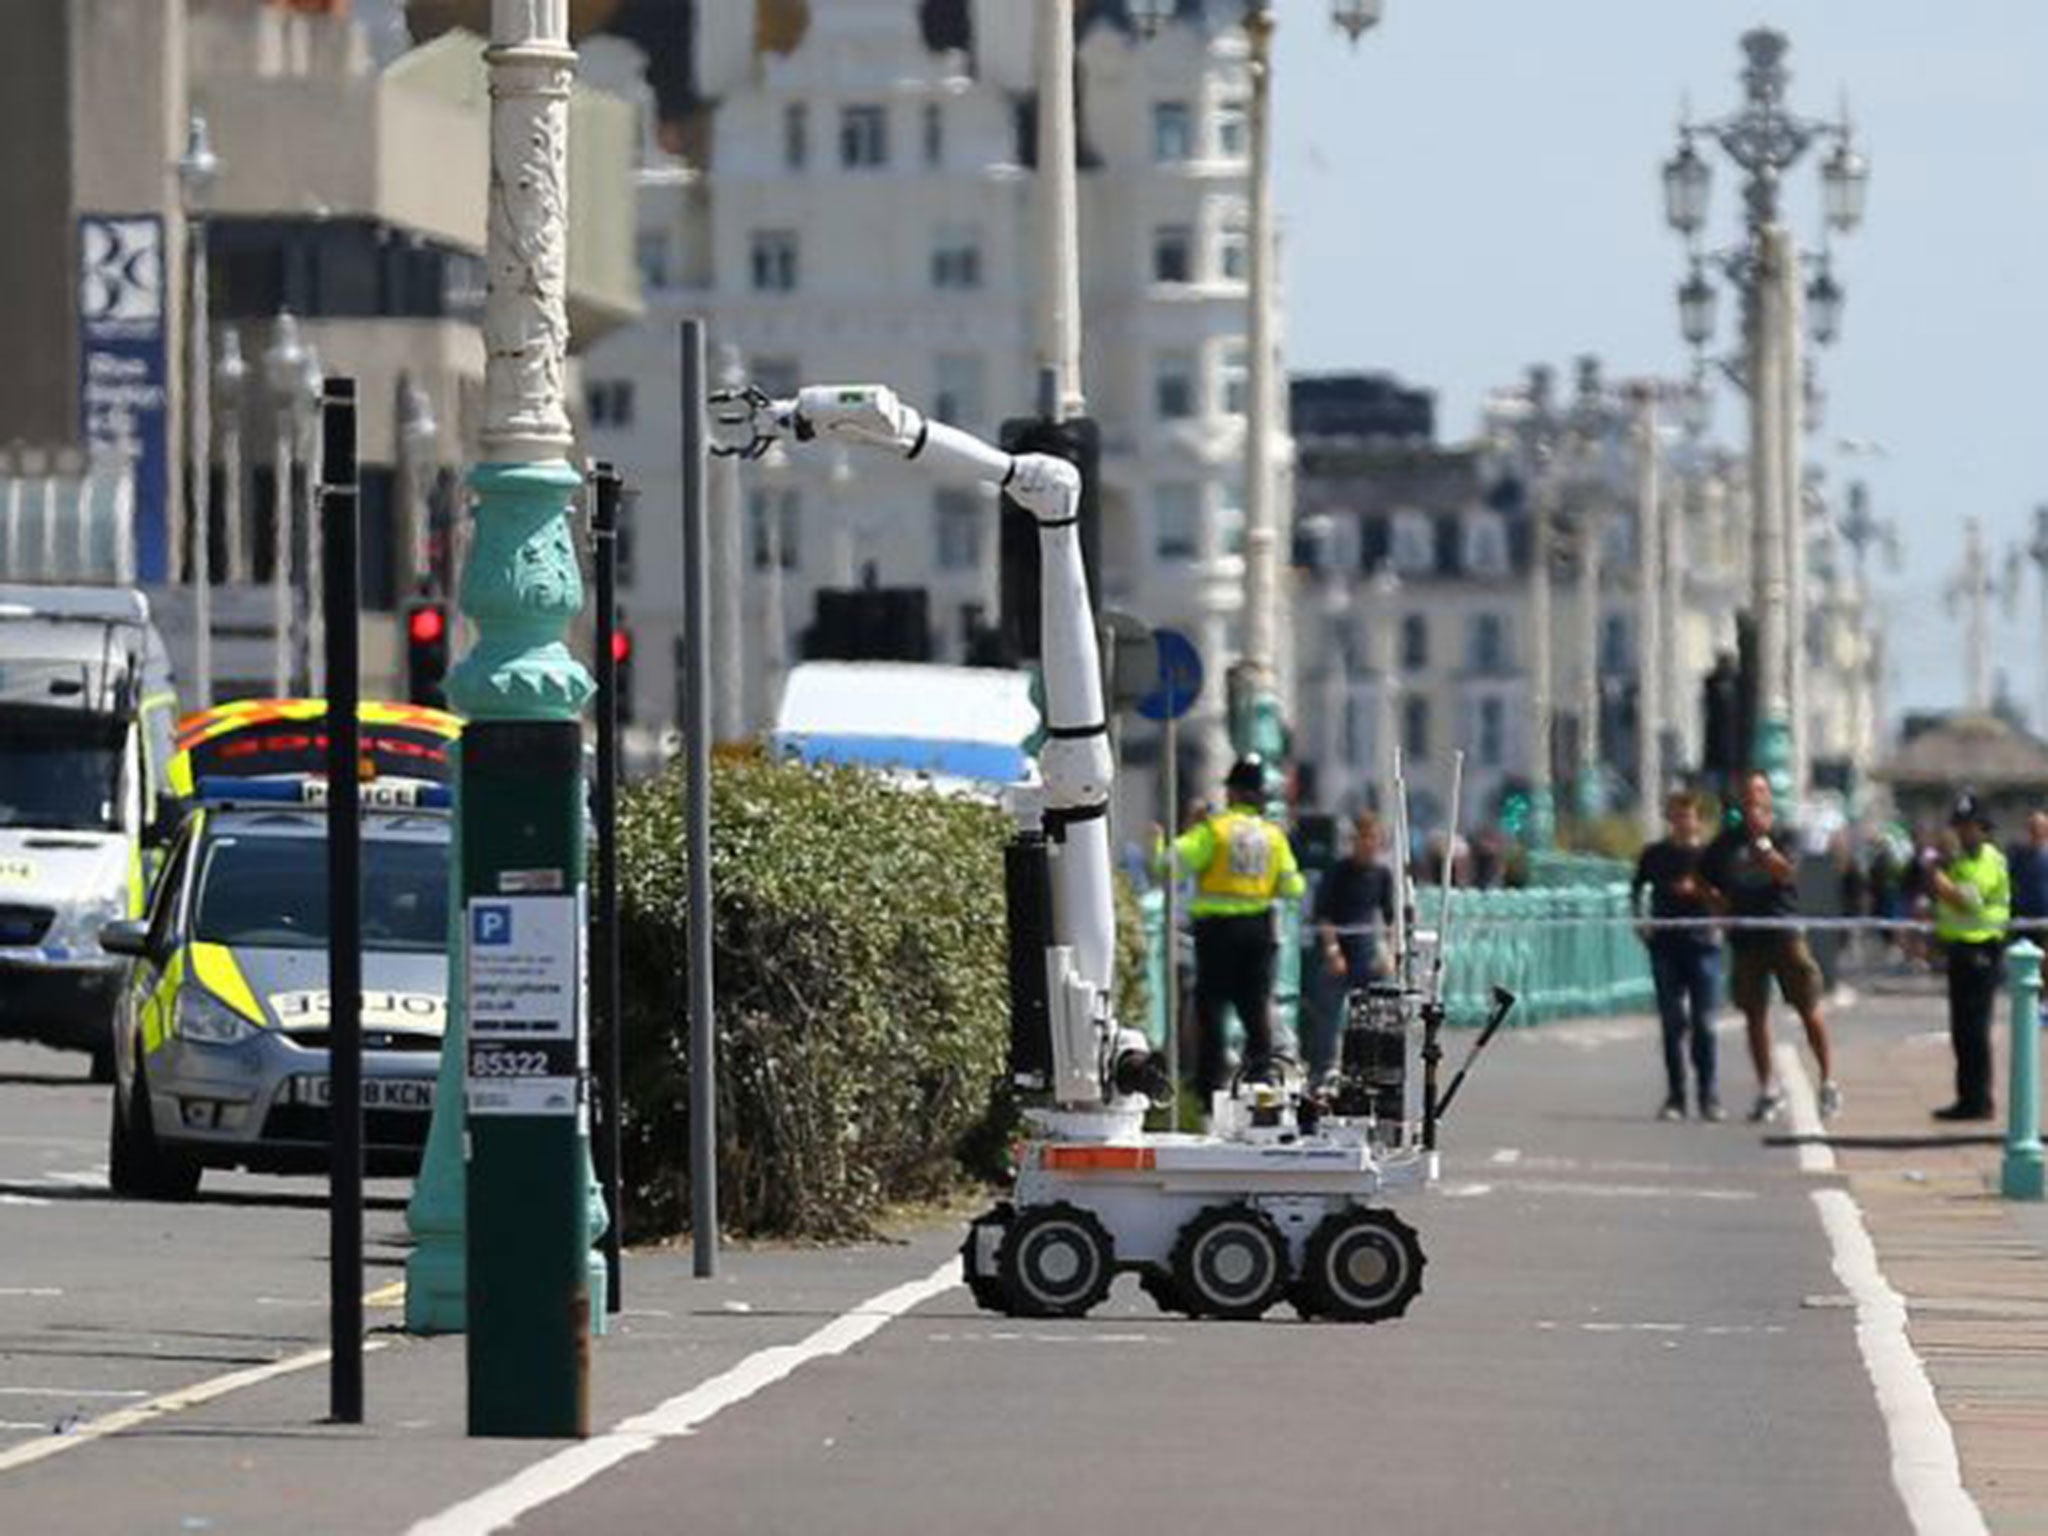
426, 625
622, 646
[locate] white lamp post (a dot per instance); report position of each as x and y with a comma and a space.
198, 169
306, 416
281, 365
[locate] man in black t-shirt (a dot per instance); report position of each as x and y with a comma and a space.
1354, 909
1748, 876
1685, 962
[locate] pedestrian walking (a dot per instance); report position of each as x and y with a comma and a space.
1354, 911
1972, 912
1750, 878
1242, 865
1685, 963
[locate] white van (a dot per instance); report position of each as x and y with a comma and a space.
957, 729
88, 713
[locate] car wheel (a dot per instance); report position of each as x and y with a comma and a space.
138, 1166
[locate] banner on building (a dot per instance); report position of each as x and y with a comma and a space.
123, 365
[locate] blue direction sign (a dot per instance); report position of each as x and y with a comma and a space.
1180, 677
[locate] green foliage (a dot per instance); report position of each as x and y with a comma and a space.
862, 997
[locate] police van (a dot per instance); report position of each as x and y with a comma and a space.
87, 718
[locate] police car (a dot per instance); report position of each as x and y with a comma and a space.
221, 1036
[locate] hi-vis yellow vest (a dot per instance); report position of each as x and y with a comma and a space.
1240, 862
1985, 874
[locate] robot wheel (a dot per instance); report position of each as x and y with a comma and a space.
1056, 1261
1362, 1265
1229, 1261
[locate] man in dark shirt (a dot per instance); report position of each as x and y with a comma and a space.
1354, 907
1684, 962
2029, 864
1748, 876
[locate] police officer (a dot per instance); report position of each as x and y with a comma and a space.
1972, 912
1241, 864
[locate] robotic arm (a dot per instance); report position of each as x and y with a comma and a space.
1094, 1063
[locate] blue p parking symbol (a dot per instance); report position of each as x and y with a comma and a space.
491, 924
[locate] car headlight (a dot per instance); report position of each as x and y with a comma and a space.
205, 1018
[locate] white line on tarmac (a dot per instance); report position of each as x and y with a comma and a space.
30, 1290
70, 1392
545, 1481
22, 1200
1506, 1156
171, 1402
1814, 1155
1924, 1466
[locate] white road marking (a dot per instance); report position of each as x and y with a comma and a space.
157, 1407
1622, 1191
1814, 1155
1463, 1191
31, 1290
549, 1479
1924, 1466
22, 1200
1506, 1156
70, 1392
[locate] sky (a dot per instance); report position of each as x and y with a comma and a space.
1475, 188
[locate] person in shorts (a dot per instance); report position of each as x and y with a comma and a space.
1749, 877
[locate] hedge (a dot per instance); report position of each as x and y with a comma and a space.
862, 1014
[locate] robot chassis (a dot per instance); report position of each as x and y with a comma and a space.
1290, 1193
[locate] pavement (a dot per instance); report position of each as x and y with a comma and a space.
1972, 1266
1627, 1326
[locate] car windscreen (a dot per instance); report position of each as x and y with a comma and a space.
60, 769
270, 892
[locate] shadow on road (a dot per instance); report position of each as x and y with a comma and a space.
47, 1080
1923, 1143
283, 1200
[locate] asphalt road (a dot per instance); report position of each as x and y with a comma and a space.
1626, 1326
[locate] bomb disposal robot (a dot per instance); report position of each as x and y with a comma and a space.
1289, 1193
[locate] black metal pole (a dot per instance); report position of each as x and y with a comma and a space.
340, 598
697, 806
604, 991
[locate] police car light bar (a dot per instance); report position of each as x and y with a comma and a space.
308, 790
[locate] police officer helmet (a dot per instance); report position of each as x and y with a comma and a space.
1247, 778
1969, 811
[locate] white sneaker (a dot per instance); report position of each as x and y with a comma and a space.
1830, 1100
1769, 1105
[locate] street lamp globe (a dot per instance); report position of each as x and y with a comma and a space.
199, 166
1696, 407
284, 358
1824, 298
1687, 180
416, 424
230, 371
1357, 17
1696, 301
1845, 181
1148, 16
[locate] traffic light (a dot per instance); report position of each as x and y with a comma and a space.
426, 654
622, 673
1079, 442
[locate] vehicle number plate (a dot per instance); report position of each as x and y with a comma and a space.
378, 1092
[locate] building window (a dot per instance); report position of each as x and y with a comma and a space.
1493, 733
959, 389
1233, 129
1486, 545
775, 515
1177, 522
1414, 545
1235, 377
1173, 254
956, 257
1486, 644
779, 378
1234, 254
934, 134
863, 137
1414, 642
1173, 132
1614, 646
796, 136
650, 251
774, 260
959, 517
1415, 726
1173, 385
610, 402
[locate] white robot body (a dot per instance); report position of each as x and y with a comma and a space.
1284, 1198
